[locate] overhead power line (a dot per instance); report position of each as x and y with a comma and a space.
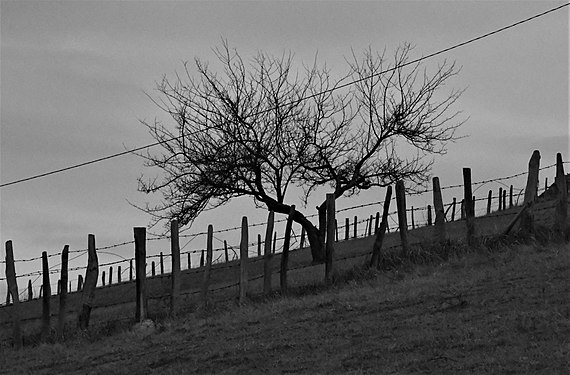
344, 85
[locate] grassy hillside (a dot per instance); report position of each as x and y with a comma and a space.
495, 311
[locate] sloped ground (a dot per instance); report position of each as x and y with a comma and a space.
506, 311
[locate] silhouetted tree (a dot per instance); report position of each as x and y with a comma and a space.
258, 129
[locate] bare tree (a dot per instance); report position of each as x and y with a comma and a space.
259, 129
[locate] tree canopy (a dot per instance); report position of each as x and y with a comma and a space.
260, 127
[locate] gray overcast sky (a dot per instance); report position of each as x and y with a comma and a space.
74, 77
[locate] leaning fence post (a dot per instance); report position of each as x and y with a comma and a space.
489, 199
63, 294
175, 276
13, 290
453, 209
302, 243
226, 251
267, 255
377, 247
527, 219
439, 211
561, 212
89, 284
402, 220
140, 265
243, 250
469, 212
331, 213
285, 252
208, 267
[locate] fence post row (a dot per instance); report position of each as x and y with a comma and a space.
13, 291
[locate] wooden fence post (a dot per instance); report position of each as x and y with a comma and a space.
331, 213
274, 242
511, 197
267, 255
80, 283
402, 220
103, 282
152, 269
346, 229
453, 209
175, 276
377, 247
561, 211
285, 253
527, 219
302, 244
161, 264
13, 290
336, 230
189, 260
462, 209
439, 211
118, 274
355, 227
243, 257
46, 313
413, 219
89, 283
469, 212
140, 265
377, 222
63, 295
226, 251
110, 275
429, 218
370, 220
259, 245
130, 270
30, 291
501, 199
504, 199
489, 199
202, 258
209, 252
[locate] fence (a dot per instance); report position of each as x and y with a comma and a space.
243, 275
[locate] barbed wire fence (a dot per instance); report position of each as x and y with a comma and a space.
417, 216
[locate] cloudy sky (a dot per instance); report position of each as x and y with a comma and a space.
75, 74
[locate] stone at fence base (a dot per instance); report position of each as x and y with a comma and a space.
146, 327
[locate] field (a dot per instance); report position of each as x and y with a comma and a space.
504, 310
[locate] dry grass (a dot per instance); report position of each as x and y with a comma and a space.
487, 310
